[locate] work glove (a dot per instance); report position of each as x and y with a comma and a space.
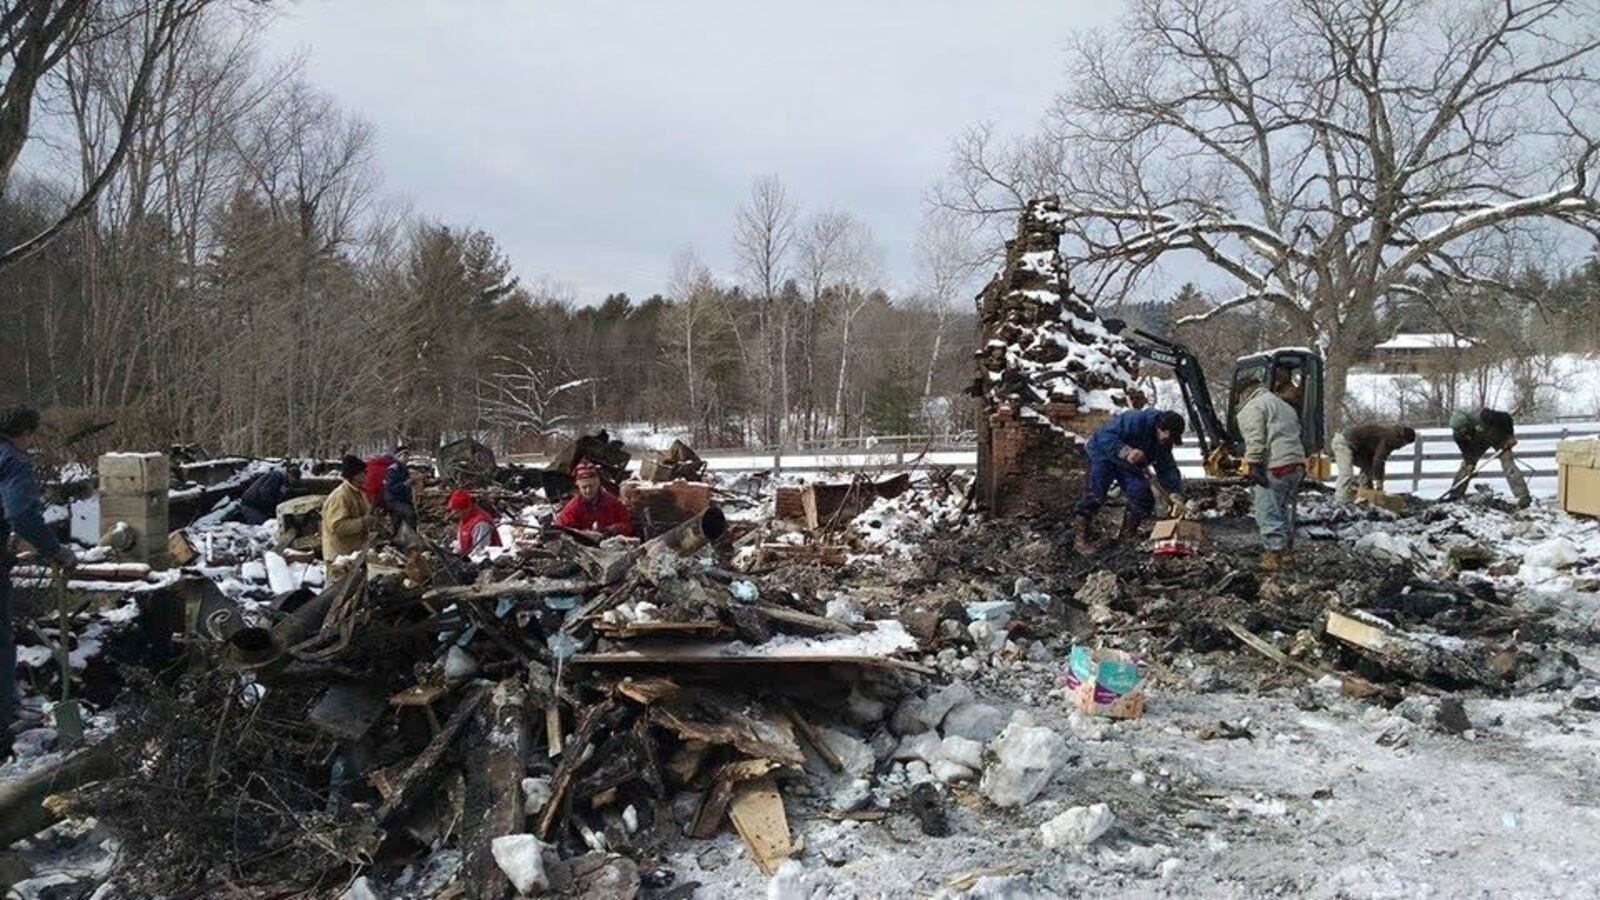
1133, 456
1257, 473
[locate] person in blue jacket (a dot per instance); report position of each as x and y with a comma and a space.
1124, 450
22, 510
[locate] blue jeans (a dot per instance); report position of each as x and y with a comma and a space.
8, 653
1135, 488
1275, 509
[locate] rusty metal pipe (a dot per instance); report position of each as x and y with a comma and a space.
687, 537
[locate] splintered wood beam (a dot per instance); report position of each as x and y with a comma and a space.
420, 777
497, 760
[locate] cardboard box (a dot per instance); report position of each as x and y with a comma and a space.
1578, 475
1394, 503
1186, 530
1105, 682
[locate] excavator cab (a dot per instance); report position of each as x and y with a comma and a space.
1221, 443
1300, 367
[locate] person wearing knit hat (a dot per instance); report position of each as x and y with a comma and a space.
475, 526
347, 517
594, 508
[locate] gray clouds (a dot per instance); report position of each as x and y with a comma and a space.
594, 139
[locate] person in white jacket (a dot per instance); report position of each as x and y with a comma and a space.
1276, 462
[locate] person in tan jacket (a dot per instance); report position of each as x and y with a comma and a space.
347, 518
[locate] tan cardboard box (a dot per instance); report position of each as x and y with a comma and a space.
1183, 529
1578, 475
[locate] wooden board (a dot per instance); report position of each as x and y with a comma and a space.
629, 630
758, 815
714, 806
1363, 634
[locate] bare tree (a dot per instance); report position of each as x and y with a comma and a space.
524, 397
823, 253
763, 235
860, 270
1316, 153
948, 260
694, 293
36, 36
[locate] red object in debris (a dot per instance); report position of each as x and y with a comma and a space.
1174, 547
475, 516
377, 469
606, 514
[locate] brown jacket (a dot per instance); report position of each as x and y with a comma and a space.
1371, 446
346, 516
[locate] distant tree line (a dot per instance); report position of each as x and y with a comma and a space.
240, 281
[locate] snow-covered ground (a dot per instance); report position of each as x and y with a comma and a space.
1566, 385
1307, 793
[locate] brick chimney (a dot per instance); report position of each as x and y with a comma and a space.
1049, 374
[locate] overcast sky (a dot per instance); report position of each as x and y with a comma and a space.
596, 139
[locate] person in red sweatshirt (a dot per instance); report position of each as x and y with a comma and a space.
476, 525
594, 508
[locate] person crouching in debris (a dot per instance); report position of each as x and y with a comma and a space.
388, 485
1275, 459
1365, 449
1123, 451
347, 518
1475, 434
260, 500
594, 508
475, 527
22, 510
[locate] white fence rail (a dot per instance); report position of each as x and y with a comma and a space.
1426, 467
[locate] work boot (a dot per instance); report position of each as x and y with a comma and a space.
1080, 535
1132, 528
1271, 560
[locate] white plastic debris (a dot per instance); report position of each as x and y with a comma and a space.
843, 609
789, 883
1025, 759
535, 794
986, 635
922, 713
360, 889
459, 664
280, 577
855, 753
962, 751
923, 745
1079, 826
975, 721
744, 591
521, 857
948, 772
851, 795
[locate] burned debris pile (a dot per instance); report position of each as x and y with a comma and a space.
528, 715
789, 673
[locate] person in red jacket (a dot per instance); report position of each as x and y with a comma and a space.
476, 526
594, 508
